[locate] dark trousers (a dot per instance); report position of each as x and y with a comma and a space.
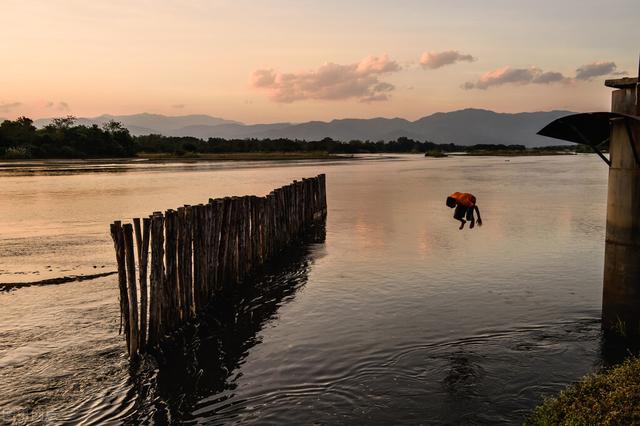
462, 212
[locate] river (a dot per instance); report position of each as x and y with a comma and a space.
397, 317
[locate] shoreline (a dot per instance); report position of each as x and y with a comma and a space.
606, 396
245, 156
54, 281
153, 157
518, 153
270, 156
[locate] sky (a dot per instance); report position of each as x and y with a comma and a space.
264, 61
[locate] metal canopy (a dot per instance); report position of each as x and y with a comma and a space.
590, 128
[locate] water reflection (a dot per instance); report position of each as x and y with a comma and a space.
463, 373
193, 376
402, 319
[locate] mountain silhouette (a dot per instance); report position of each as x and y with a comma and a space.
463, 127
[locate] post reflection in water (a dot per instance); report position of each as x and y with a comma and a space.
194, 373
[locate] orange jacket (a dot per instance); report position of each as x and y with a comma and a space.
464, 199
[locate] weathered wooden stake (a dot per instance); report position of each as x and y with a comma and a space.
156, 278
127, 230
142, 245
118, 242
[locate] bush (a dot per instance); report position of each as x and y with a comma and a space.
17, 153
607, 398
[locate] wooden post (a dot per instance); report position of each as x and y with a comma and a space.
142, 244
205, 252
224, 243
237, 230
188, 262
156, 279
298, 205
271, 231
218, 208
200, 250
170, 288
232, 260
210, 236
323, 194
182, 263
118, 243
131, 284
198, 253
243, 259
255, 227
197, 257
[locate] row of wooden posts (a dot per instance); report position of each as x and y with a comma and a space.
199, 251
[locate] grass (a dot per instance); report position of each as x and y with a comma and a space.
608, 398
435, 154
245, 156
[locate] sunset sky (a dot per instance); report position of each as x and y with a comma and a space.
298, 60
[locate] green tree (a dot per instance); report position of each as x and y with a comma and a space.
18, 132
63, 123
114, 127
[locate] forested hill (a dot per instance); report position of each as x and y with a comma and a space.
64, 138
462, 127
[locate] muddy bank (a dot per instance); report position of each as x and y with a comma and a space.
53, 281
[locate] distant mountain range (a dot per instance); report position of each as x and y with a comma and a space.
145, 124
462, 127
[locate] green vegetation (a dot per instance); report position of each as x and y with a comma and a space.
435, 153
19, 139
608, 398
62, 139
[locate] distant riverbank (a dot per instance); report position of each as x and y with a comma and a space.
248, 156
535, 152
64, 139
524, 153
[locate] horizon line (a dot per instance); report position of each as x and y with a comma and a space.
78, 117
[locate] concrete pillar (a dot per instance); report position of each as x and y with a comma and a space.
621, 290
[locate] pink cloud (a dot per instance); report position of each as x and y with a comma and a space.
506, 75
263, 78
7, 107
435, 60
330, 81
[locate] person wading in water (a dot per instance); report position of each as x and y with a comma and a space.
464, 204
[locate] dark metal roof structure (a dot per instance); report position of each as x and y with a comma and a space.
590, 128
622, 83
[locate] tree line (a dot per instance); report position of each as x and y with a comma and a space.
63, 138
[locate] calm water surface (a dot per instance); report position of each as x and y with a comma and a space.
397, 317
